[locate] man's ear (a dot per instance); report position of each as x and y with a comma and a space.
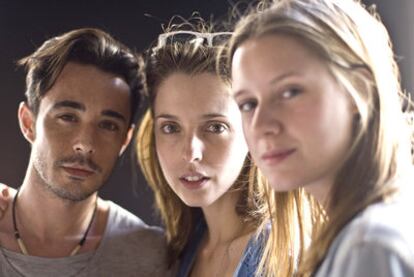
128, 138
27, 122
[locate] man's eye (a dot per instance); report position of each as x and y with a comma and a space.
108, 125
247, 106
68, 117
169, 128
217, 128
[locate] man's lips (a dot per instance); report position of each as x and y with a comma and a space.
80, 172
277, 156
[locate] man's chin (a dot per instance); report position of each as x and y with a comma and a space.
72, 193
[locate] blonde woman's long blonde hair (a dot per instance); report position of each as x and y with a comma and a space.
356, 48
255, 205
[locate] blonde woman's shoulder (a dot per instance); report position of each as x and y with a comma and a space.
377, 242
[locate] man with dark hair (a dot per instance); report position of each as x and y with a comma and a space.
83, 89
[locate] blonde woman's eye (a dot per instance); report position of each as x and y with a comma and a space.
169, 128
290, 93
247, 106
216, 128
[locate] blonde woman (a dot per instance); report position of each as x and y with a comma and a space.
193, 154
318, 88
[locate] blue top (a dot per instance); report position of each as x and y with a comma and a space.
248, 262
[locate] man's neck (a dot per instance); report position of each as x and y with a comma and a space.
47, 217
50, 226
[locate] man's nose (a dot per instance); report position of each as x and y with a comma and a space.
85, 142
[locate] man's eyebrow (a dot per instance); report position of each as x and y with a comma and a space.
81, 107
69, 104
114, 114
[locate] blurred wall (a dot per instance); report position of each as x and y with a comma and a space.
398, 18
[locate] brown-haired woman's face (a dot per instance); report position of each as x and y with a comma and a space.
297, 118
199, 137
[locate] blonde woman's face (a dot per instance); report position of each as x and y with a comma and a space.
296, 118
199, 137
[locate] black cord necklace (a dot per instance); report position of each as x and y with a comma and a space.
20, 242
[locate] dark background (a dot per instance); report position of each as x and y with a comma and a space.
24, 25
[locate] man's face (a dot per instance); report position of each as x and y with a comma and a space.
79, 132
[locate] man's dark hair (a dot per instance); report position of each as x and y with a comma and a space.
84, 46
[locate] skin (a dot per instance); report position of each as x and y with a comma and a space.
78, 135
203, 139
81, 129
198, 133
297, 118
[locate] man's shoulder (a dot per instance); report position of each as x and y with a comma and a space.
120, 216
122, 223
130, 245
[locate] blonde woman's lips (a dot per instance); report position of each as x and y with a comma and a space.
275, 157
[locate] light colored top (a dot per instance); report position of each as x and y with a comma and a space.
128, 247
379, 242
247, 265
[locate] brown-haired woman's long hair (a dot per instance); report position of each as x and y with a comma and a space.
256, 207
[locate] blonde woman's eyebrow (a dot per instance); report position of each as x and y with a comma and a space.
165, 116
275, 79
285, 75
213, 115
239, 93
